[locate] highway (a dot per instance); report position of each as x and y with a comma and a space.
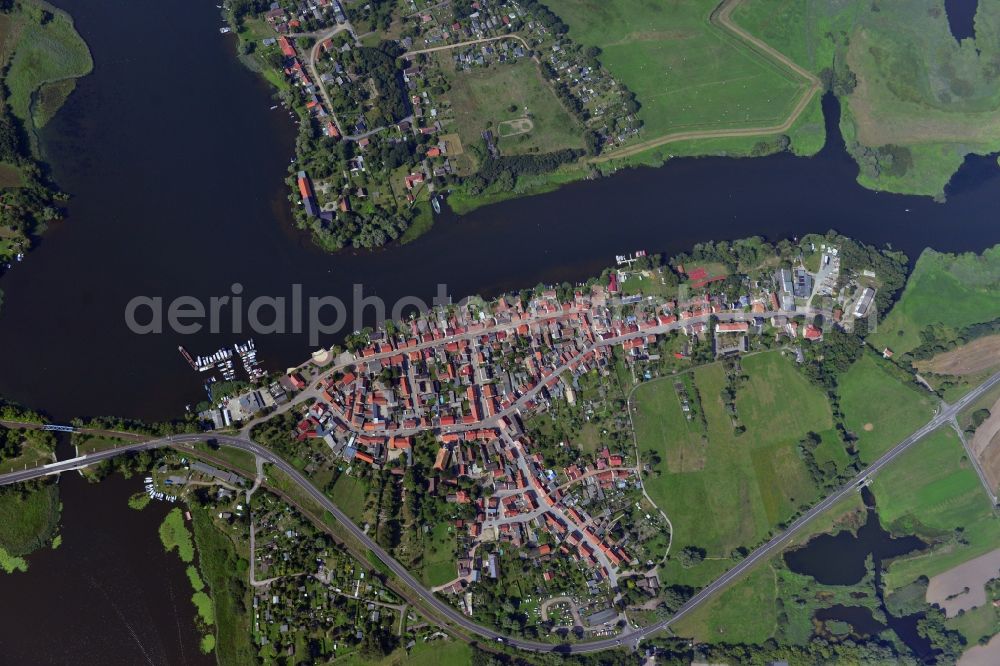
946, 413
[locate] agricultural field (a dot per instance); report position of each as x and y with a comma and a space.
945, 290
985, 444
879, 408
750, 482
980, 355
918, 100
933, 491
686, 72
514, 102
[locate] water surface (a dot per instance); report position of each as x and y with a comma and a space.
962, 18
175, 163
110, 594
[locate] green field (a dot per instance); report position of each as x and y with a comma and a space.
917, 87
687, 73
772, 601
27, 520
351, 495
932, 491
48, 56
10, 176
435, 653
880, 409
482, 99
748, 483
224, 570
744, 613
945, 289
438, 564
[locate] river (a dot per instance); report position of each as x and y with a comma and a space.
175, 164
110, 594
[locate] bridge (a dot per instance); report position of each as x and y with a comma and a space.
58, 428
446, 611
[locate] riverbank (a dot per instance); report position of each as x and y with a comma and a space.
403, 160
41, 58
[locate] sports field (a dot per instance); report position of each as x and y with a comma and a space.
880, 409
687, 73
933, 491
945, 289
508, 99
747, 484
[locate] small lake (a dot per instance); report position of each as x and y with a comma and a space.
862, 622
962, 18
110, 594
839, 559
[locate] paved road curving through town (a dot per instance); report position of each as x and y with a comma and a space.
943, 417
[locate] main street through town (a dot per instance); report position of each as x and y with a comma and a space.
944, 416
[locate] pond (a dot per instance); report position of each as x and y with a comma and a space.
839, 559
962, 18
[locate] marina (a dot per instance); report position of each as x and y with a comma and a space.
223, 361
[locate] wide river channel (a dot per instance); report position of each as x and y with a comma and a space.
175, 164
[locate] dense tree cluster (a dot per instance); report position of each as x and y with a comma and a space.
889, 265
889, 160
832, 357
545, 16
13, 441
379, 65
502, 172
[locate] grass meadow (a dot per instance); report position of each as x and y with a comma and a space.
483, 97
917, 86
947, 290
46, 58
747, 483
687, 73
932, 491
880, 409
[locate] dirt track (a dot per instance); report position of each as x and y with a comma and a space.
722, 17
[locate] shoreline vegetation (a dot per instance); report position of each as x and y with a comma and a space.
806, 418
41, 57
394, 110
386, 124
175, 535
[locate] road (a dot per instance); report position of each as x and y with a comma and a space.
944, 416
471, 42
